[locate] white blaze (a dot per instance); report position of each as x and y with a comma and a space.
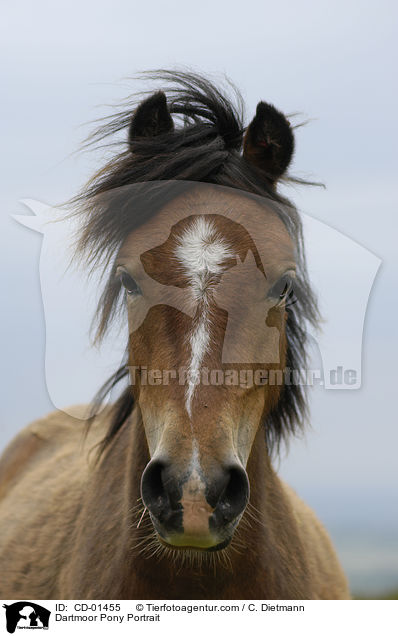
201, 251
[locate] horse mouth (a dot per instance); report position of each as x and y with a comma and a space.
214, 548
177, 538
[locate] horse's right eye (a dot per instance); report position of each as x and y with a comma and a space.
129, 284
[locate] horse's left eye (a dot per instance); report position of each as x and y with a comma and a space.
282, 289
129, 284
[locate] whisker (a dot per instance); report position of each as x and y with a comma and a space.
141, 518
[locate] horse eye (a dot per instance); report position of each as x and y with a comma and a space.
129, 284
282, 289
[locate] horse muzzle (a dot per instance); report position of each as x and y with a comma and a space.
191, 510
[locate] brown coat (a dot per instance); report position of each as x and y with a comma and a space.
68, 527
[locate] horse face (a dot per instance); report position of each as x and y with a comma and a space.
206, 309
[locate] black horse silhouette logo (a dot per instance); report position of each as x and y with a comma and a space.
26, 614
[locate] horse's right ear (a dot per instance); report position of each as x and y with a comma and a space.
151, 118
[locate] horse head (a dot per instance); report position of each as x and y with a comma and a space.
209, 264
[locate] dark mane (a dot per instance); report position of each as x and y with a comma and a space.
204, 146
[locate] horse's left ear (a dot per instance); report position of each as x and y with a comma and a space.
269, 142
151, 118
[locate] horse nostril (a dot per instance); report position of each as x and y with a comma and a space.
234, 496
159, 491
152, 490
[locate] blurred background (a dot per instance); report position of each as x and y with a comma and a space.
334, 63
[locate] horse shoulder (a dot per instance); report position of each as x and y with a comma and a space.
43, 478
329, 581
40, 441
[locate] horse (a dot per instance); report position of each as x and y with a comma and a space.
169, 490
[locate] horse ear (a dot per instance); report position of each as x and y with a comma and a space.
269, 141
151, 118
